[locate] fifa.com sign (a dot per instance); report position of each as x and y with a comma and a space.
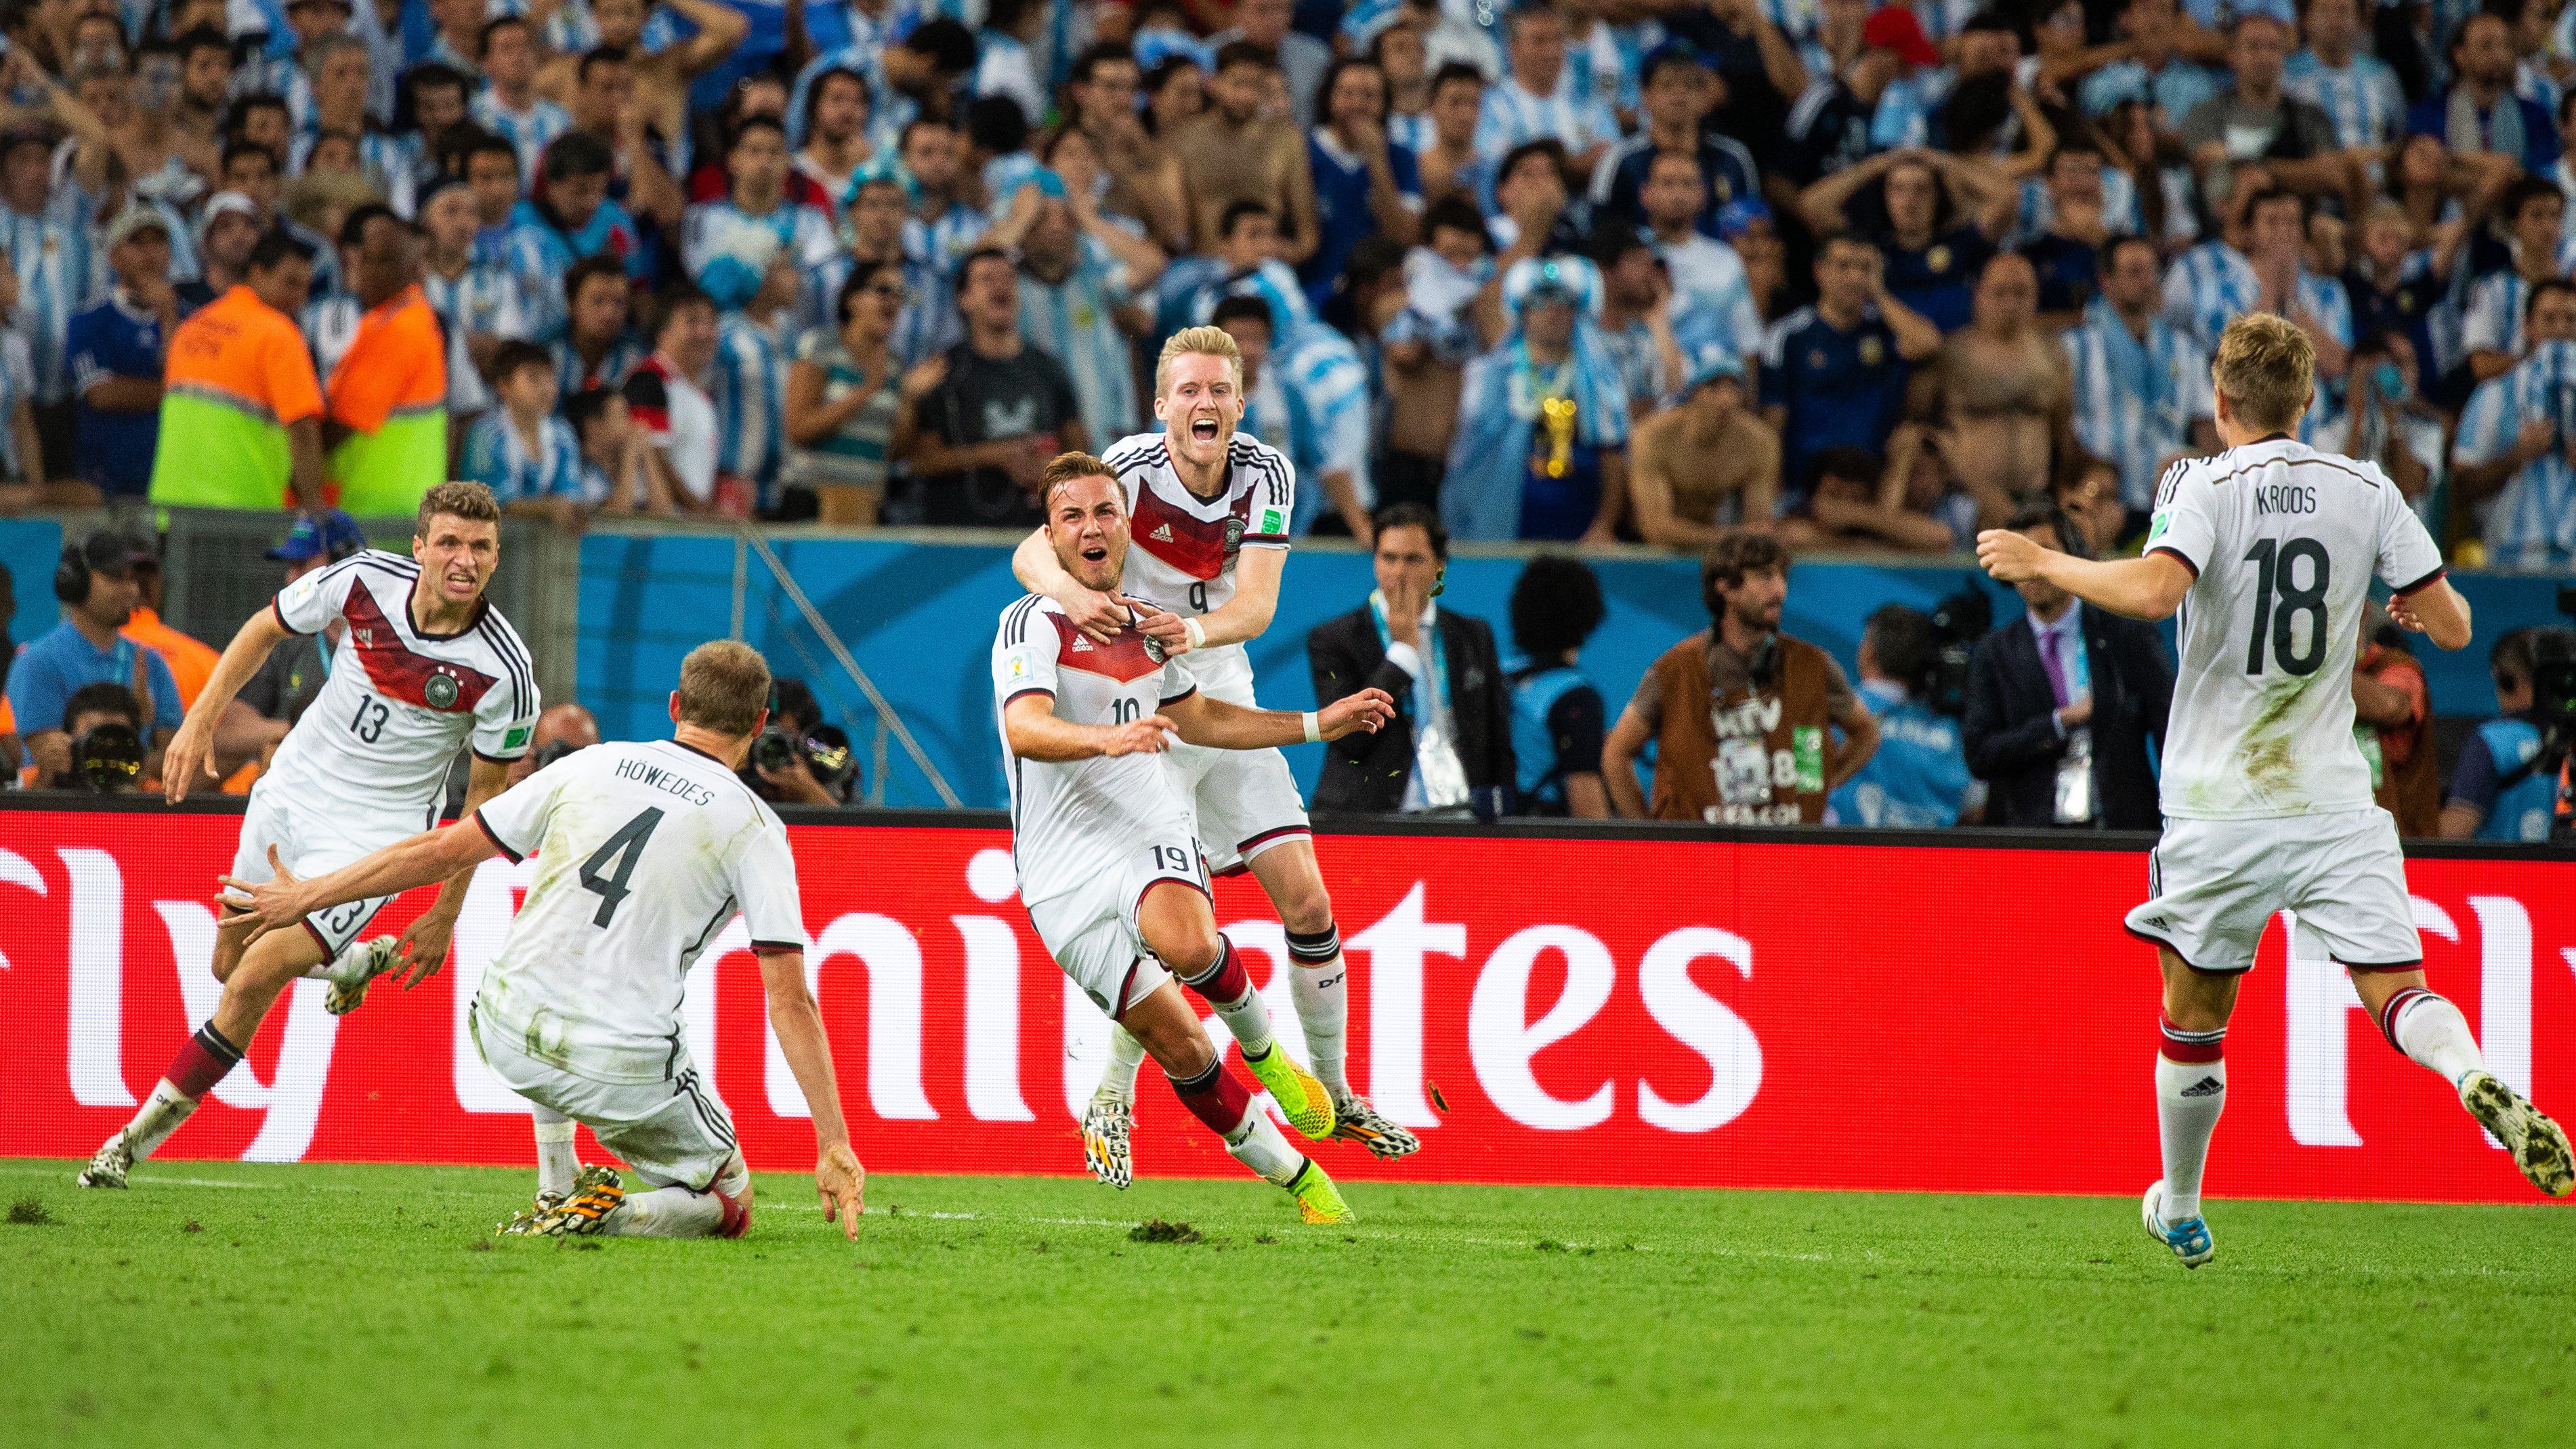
1617, 1011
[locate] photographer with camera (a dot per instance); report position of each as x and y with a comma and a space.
1919, 777
798, 759
2505, 786
95, 582
104, 724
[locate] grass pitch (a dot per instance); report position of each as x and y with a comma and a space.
237, 1305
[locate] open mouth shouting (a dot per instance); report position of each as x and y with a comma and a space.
1205, 428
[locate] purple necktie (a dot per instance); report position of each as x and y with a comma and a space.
2056, 671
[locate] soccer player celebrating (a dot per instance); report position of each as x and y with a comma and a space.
648, 849
1210, 513
1109, 865
428, 665
2272, 545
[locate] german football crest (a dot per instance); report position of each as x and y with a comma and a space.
1154, 649
1233, 533
440, 690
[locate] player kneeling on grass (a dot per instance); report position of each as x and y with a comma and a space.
643, 853
1108, 859
2267, 801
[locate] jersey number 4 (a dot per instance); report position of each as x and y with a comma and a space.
609, 868
2276, 572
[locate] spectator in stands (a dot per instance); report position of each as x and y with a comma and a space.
1321, 423
1828, 127
2005, 390
2496, 792
523, 451
2062, 703
1834, 374
475, 300
2385, 423
927, 323
595, 348
2481, 111
2335, 73
1448, 752
24, 481
1557, 713
2140, 387
1233, 152
1082, 285
1532, 220
569, 216
850, 403
95, 584
1449, 162
1365, 184
385, 414
241, 414
1676, 95
747, 382
667, 398
2277, 255
727, 244
1739, 713
1302, 59
1424, 348
1705, 463
1542, 444
2532, 213
1532, 104
1860, 502
616, 450
944, 225
2254, 120
1638, 312
2067, 213
191, 662
118, 347
1001, 409
1933, 221
2089, 494
508, 105
2508, 458
226, 231
2395, 712
1712, 302
1918, 778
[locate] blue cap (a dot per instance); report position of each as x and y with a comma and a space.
1712, 364
1737, 217
328, 532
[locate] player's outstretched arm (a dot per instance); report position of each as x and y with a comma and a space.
2436, 611
1032, 731
423, 947
838, 1178
2149, 588
282, 900
1219, 725
193, 748
1097, 614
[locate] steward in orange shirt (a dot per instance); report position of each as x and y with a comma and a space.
386, 421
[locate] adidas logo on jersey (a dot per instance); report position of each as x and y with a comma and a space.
365, 637
1162, 533
1081, 644
2205, 1087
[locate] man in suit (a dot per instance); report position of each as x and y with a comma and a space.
1449, 749
2062, 703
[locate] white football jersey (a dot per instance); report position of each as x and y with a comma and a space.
2282, 541
1071, 819
399, 703
644, 852
1182, 557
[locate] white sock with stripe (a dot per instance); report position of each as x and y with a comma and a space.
2191, 1090
2431, 1031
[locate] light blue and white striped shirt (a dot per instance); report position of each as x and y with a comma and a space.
528, 131
728, 249
482, 298
2036, 211
2492, 320
497, 457
1708, 278
1415, 132
1512, 116
2174, 90
61, 270
2206, 286
943, 241
1330, 423
2532, 523
748, 385
2135, 402
2362, 98
1072, 321
330, 325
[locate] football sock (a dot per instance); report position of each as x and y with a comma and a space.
557, 1159
2191, 1090
206, 1059
1316, 983
162, 1113
2429, 1029
1259, 1146
343, 968
1126, 1054
666, 1212
1219, 1099
1228, 987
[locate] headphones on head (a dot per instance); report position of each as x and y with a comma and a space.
71, 576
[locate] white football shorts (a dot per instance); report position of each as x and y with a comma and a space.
2215, 885
1092, 932
673, 1131
316, 839
1246, 800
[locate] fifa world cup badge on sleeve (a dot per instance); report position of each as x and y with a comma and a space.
1273, 521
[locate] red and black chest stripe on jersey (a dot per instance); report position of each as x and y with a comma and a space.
1197, 547
1124, 658
398, 673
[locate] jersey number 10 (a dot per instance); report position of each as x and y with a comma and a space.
2275, 573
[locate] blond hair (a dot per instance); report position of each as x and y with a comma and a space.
1201, 342
2266, 368
469, 501
724, 685
1066, 468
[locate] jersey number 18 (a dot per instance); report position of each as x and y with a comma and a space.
2276, 573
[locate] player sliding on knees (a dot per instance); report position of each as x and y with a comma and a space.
1210, 512
428, 667
644, 852
2268, 549
1109, 866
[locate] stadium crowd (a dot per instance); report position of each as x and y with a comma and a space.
1581, 271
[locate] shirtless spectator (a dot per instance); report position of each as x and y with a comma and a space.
1233, 152
1858, 503
2004, 385
661, 77
1702, 460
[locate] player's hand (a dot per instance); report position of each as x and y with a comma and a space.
1162, 626
842, 1184
1367, 711
1144, 737
423, 949
1102, 616
190, 752
259, 907
2008, 557
2401, 611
